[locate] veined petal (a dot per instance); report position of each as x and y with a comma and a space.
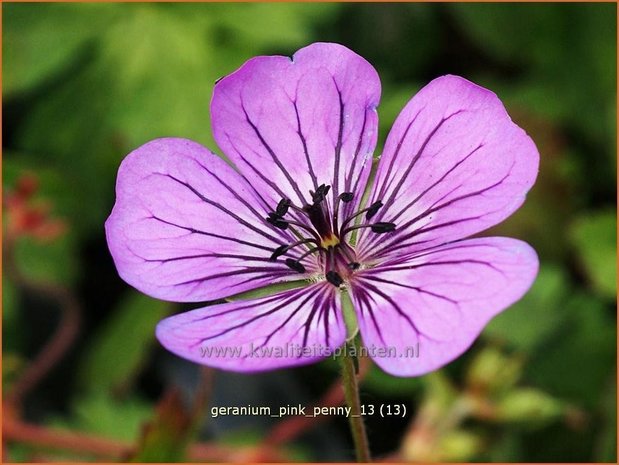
186, 227
426, 310
295, 327
454, 164
291, 125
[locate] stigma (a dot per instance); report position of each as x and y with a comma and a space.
331, 241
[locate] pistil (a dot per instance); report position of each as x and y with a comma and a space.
338, 258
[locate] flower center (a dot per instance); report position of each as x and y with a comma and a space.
327, 238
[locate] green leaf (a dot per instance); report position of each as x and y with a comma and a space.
151, 77
574, 363
53, 261
556, 47
606, 447
150, 74
378, 381
528, 406
594, 237
287, 25
100, 414
41, 40
121, 346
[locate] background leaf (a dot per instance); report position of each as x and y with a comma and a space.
595, 238
121, 346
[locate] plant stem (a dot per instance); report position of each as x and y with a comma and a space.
351, 392
60, 341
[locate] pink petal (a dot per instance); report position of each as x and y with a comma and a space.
290, 125
295, 327
454, 164
186, 227
439, 301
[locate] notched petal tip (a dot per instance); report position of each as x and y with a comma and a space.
304, 122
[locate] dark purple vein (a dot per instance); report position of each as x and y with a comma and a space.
366, 306
407, 286
401, 241
443, 262
222, 208
395, 306
206, 233
247, 205
265, 314
414, 161
308, 160
338, 153
387, 177
276, 160
397, 237
394, 219
202, 279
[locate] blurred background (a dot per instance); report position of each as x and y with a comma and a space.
84, 378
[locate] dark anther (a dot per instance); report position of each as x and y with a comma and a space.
334, 278
354, 265
282, 207
373, 209
320, 194
281, 250
346, 197
295, 265
277, 221
380, 228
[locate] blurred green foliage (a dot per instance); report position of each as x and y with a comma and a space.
120, 346
84, 84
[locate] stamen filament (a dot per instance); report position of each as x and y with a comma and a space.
283, 249
378, 228
371, 211
320, 219
352, 263
304, 226
310, 251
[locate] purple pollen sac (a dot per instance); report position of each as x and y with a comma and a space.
295, 265
282, 207
346, 196
333, 254
277, 221
382, 227
320, 194
373, 209
300, 134
281, 250
334, 278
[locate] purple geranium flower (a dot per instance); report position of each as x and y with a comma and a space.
300, 132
